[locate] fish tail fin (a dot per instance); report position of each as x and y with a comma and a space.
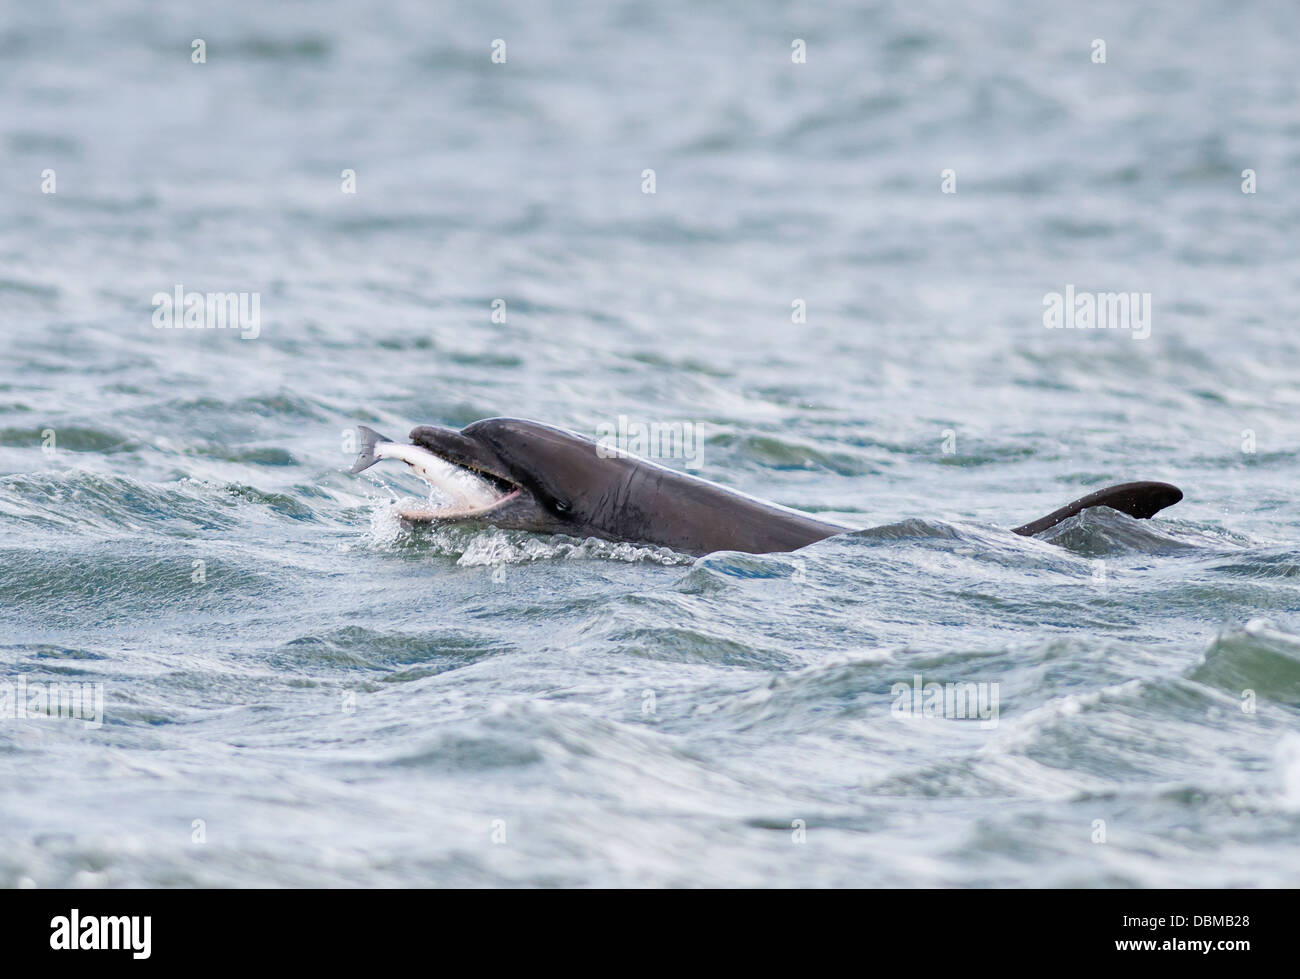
369, 439
1139, 500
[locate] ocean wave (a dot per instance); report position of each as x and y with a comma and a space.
1103, 532
1257, 657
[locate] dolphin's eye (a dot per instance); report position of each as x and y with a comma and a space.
562, 505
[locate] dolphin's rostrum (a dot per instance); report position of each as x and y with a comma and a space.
523, 475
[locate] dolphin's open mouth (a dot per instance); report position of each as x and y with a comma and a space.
469, 458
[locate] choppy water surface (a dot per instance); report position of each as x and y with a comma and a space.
338, 701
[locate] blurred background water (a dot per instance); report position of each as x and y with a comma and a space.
337, 701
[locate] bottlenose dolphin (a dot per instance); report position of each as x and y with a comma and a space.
523, 475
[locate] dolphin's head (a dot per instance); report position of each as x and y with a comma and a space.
552, 481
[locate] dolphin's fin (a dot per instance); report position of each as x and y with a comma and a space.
369, 439
1139, 500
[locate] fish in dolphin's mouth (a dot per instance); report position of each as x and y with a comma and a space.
471, 492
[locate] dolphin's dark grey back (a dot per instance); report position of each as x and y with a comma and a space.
663, 507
